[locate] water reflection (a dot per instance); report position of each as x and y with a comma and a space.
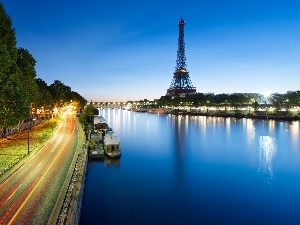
179, 170
267, 151
180, 132
294, 128
112, 161
272, 126
249, 124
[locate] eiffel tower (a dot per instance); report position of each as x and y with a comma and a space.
181, 83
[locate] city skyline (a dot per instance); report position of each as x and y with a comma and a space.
119, 51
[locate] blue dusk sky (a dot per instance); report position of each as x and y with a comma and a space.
126, 50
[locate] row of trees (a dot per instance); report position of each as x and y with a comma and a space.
20, 89
87, 118
235, 100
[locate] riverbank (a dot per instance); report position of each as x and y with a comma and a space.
262, 116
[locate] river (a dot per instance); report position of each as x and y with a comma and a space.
196, 170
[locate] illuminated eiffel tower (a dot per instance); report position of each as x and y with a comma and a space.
181, 83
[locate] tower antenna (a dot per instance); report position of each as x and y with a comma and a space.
181, 8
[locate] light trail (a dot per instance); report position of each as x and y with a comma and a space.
22, 191
14, 192
38, 183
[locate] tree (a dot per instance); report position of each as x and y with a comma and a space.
13, 106
210, 100
293, 97
163, 101
78, 100
14, 103
200, 99
87, 116
222, 100
44, 99
27, 74
237, 100
8, 51
277, 101
255, 106
60, 93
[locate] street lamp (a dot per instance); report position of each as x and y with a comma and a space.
30, 124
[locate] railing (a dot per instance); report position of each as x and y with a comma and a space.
71, 207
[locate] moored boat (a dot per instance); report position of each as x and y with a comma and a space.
111, 145
95, 148
100, 123
156, 110
179, 112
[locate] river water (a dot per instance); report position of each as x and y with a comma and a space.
196, 170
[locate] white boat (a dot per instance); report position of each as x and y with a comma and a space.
100, 123
111, 145
95, 148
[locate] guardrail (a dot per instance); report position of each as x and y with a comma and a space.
71, 207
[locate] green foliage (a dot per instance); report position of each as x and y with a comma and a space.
96, 111
87, 114
57, 94
277, 100
14, 103
19, 88
44, 99
235, 100
8, 50
255, 106
60, 93
293, 97
163, 101
92, 143
78, 100
27, 74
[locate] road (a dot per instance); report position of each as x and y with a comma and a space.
30, 194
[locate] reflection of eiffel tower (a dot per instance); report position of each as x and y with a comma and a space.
181, 83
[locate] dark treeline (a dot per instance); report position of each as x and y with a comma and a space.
87, 117
235, 100
21, 92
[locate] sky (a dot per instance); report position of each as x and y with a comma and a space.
120, 50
